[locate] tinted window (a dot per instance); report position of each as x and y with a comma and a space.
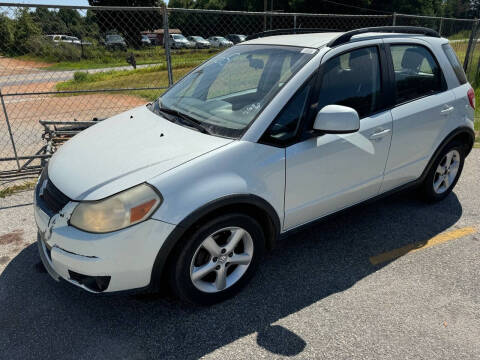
285, 126
352, 79
453, 59
417, 73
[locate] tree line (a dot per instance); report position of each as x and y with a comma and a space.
19, 29
445, 8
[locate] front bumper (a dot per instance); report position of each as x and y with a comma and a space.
122, 260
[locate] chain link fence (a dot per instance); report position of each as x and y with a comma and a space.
64, 67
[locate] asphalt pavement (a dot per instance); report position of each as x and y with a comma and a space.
317, 295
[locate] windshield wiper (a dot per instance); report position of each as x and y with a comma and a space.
185, 119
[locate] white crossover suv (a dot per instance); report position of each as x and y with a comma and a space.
269, 135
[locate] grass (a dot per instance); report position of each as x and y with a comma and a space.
155, 76
16, 188
102, 59
462, 35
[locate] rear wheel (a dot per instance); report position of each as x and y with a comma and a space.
444, 173
217, 259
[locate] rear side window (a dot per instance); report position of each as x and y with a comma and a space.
417, 73
453, 59
353, 79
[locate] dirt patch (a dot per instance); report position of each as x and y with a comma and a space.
4, 260
15, 236
10, 66
27, 88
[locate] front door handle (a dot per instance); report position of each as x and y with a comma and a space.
447, 110
379, 134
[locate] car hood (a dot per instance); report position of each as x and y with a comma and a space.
124, 151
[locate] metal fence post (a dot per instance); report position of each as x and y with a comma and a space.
440, 26
470, 45
166, 40
9, 129
264, 15
394, 19
294, 21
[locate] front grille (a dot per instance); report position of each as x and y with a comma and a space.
54, 199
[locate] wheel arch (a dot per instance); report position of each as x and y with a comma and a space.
249, 204
464, 135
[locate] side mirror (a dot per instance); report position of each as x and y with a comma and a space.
337, 119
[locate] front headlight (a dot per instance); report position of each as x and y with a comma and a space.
118, 211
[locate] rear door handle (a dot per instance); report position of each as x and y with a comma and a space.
379, 134
447, 110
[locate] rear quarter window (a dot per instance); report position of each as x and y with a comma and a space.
453, 59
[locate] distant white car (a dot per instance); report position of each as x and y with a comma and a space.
178, 41
219, 41
200, 42
263, 138
64, 39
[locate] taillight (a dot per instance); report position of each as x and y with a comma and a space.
471, 97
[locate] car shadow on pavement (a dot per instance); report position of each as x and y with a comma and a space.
40, 318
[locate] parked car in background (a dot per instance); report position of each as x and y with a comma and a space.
115, 42
236, 38
219, 41
270, 135
178, 41
157, 37
66, 39
200, 42
146, 41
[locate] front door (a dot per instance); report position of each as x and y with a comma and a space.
325, 173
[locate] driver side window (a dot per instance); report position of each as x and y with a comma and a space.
353, 79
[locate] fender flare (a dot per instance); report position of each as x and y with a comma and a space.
181, 229
444, 143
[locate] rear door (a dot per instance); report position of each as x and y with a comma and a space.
423, 106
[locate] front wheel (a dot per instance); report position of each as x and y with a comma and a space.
444, 173
217, 259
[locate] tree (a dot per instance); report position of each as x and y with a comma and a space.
7, 34
49, 21
418, 7
25, 27
475, 8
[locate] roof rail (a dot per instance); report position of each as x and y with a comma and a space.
289, 31
345, 37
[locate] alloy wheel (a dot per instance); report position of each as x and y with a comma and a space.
221, 259
446, 172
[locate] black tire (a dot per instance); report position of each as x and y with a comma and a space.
179, 267
428, 192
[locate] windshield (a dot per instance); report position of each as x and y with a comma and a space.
198, 38
114, 38
226, 93
221, 38
179, 37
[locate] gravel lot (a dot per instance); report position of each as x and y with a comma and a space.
316, 296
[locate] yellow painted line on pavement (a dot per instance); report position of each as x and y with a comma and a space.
410, 248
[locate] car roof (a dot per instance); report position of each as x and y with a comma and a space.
318, 40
